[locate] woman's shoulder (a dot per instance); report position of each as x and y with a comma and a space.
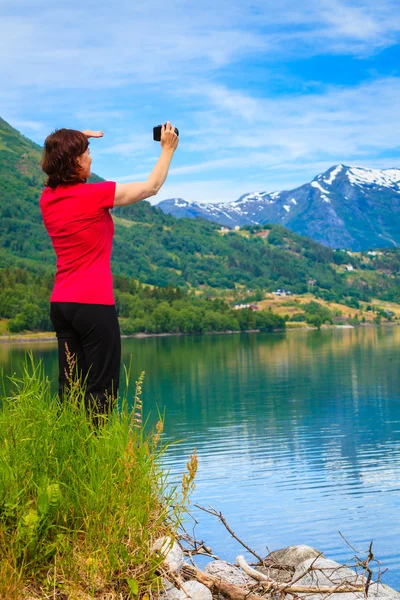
50, 195
63, 190
96, 190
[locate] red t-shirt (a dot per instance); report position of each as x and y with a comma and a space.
81, 229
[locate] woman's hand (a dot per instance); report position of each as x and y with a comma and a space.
94, 134
169, 139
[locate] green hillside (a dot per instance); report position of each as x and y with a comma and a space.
159, 250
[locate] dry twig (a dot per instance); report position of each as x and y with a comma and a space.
219, 515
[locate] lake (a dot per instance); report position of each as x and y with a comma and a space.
297, 433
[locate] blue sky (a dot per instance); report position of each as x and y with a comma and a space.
265, 94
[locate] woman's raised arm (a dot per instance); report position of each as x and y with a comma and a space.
128, 193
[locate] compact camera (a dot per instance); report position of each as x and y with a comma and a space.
157, 133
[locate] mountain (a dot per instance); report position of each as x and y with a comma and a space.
345, 207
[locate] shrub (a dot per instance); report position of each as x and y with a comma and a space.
80, 505
298, 317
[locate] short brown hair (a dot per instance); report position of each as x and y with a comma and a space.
59, 158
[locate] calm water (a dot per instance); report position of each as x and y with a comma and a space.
298, 434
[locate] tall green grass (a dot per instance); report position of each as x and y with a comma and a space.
80, 505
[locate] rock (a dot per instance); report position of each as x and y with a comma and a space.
288, 557
228, 572
283, 576
167, 585
194, 589
174, 557
292, 556
330, 572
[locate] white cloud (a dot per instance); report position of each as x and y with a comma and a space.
107, 46
36, 126
139, 145
200, 191
91, 114
343, 122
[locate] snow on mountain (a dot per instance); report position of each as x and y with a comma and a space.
333, 174
180, 203
317, 185
385, 178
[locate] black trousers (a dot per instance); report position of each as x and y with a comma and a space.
89, 333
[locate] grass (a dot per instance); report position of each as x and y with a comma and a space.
80, 505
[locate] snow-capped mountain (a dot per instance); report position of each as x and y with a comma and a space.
345, 207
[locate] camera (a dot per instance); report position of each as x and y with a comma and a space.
157, 133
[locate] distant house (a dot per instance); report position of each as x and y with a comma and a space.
282, 293
349, 267
237, 227
372, 253
242, 306
224, 229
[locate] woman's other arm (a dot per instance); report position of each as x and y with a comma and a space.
128, 193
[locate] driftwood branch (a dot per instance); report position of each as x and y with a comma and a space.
219, 585
310, 568
198, 547
194, 547
219, 515
367, 568
173, 578
257, 575
365, 564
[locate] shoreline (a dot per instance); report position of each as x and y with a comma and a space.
25, 338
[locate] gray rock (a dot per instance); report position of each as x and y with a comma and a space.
228, 572
292, 556
329, 572
194, 589
167, 585
283, 576
174, 557
289, 557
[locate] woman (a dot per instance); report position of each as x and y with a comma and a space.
77, 218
